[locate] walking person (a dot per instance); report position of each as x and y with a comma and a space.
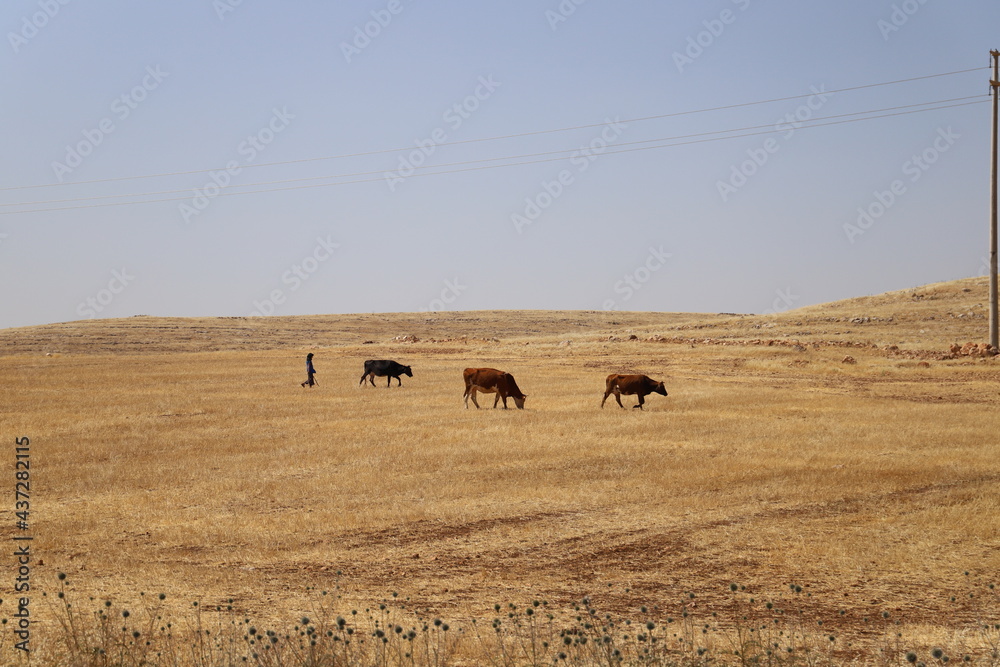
310, 371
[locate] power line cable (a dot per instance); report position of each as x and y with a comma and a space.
495, 166
506, 136
502, 158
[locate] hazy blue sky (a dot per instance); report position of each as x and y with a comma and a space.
285, 150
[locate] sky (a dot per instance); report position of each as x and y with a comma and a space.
251, 158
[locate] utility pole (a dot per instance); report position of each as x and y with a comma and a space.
994, 314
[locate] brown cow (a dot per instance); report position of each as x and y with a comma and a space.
489, 381
632, 384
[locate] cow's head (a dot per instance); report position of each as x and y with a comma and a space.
407, 372
660, 389
519, 401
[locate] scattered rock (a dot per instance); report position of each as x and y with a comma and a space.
407, 338
971, 349
565, 343
849, 360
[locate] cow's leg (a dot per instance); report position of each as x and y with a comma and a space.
496, 399
618, 397
465, 396
388, 381
642, 399
606, 394
399, 380
473, 395
363, 376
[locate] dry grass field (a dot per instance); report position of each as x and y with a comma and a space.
183, 456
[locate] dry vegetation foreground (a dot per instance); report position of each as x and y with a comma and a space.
182, 456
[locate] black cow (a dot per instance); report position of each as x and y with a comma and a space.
383, 368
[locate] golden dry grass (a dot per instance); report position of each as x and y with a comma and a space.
183, 456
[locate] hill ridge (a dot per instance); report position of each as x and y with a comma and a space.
929, 317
